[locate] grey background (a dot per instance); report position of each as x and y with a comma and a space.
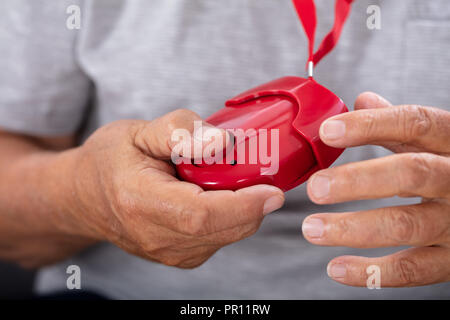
140, 78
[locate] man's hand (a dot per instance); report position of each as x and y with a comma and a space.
126, 192
120, 186
421, 138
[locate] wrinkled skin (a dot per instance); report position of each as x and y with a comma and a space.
420, 138
128, 193
119, 186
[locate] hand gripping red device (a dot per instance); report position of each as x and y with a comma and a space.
294, 106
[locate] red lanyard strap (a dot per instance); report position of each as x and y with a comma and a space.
306, 11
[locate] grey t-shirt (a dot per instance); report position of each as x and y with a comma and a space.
141, 59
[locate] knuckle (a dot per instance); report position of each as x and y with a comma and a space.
175, 117
343, 228
418, 168
184, 113
192, 258
194, 262
171, 261
416, 121
121, 127
401, 225
241, 232
149, 250
407, 271
195, 222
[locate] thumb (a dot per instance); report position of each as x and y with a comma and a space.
182, 132
370, 100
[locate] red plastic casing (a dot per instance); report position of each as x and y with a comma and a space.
297, 107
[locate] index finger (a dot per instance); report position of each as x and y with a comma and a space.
188, 209
424, 127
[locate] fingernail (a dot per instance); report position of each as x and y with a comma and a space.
313, 228
333, 129
320, 186
337, 271
272, 204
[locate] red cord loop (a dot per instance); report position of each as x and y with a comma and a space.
306, 11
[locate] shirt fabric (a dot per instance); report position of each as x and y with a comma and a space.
141, 59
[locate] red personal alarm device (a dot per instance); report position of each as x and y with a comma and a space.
292, 107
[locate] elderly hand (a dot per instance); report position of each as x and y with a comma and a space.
126, 192
420, 137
